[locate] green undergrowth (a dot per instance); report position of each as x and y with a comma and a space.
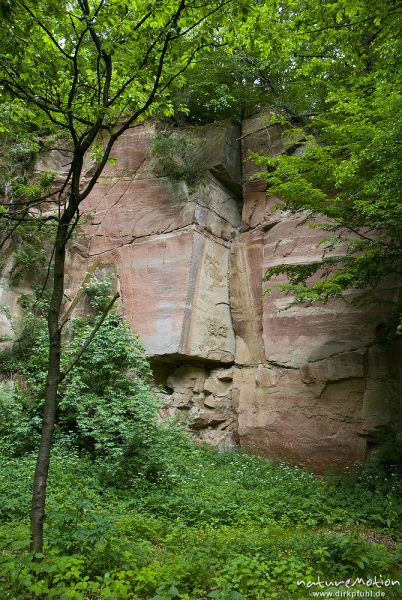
223, 525
136, 511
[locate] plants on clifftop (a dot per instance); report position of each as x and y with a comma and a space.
222, 85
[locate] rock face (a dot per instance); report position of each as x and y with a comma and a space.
203, 398
170, 245
305, 384
310, 382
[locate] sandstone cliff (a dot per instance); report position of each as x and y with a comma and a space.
305, 384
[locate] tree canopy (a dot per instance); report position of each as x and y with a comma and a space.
342, 62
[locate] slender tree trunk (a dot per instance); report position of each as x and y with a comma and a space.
51, 390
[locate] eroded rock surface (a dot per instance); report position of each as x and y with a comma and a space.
310, 382
305, 384
203, 399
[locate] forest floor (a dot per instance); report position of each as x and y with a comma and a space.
217, 525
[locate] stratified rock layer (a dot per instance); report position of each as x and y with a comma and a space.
310, 382
305, 384
170, 245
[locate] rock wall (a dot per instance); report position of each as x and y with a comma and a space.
310, 382
170, 246
304, 384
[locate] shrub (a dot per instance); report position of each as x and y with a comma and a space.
178, 158
107, 409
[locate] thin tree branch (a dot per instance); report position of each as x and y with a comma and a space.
345, 25
78, 356
183, 33
48, 270
46, 30
73, 88
10, 233
31, 203
168, 37
30, 219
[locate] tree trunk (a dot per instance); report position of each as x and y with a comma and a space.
51, 389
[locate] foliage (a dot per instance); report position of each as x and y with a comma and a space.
136, 510
99, 292
82, 73
178, 158
72, 47
93, 70
107, 408
16, 159
30, 240
347, 164
87, 69
386, 453
221, 85
121, 543
352, 177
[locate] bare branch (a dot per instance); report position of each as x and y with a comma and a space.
203, 18
48, 271
10, 233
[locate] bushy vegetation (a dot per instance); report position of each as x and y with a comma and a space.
29, 241
345, 172
107, 409
217, 526
178, 158
136, 510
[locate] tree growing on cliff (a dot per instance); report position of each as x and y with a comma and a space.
343, 59
91, 69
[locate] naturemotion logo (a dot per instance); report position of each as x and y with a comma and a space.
349, 588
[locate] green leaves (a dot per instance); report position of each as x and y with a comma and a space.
88, 68
349, 170
108, 410
352, 177
178, 158
279, 525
